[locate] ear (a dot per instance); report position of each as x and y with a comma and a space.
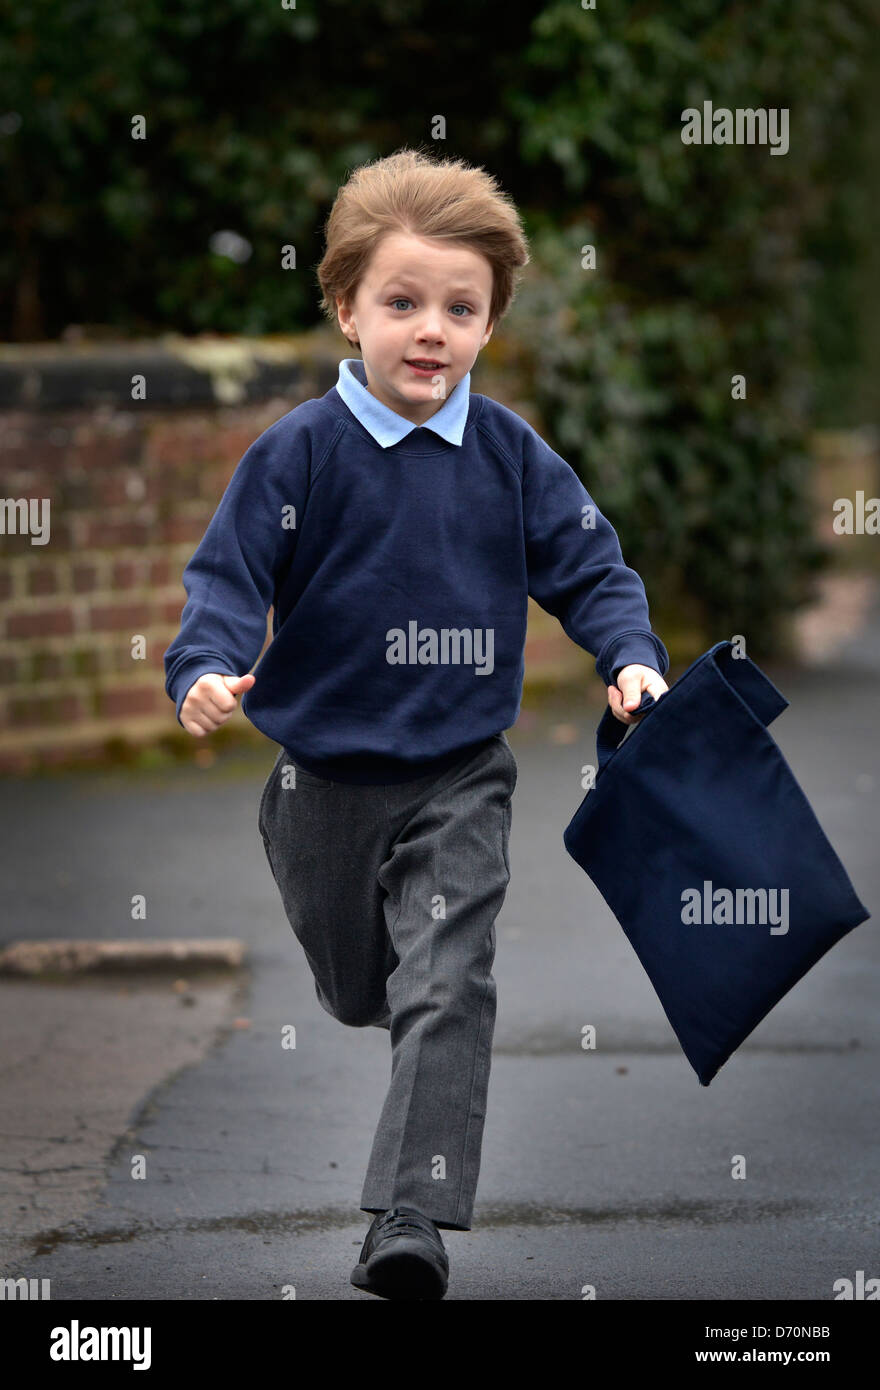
344, 317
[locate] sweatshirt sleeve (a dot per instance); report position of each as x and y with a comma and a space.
576, 568
231, 579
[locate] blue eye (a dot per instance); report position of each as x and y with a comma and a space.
403, 300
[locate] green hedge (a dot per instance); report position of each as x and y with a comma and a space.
705, 270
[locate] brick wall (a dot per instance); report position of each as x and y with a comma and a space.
131, 486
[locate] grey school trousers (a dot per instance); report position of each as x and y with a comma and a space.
393, 891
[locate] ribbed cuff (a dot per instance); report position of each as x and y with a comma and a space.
635, 646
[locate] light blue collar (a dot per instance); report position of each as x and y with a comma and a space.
385, 425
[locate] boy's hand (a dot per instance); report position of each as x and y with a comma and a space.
632, 681
210, 701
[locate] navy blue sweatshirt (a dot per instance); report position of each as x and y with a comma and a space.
399, 578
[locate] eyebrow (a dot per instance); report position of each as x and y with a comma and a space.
403, 281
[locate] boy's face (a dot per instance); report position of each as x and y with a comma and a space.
419, 299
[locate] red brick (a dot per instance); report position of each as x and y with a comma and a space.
48, 622
214, 482
188, 439
105, 452
188, 487
161, 572
85, 578
101, 534
42, 581
129, 700
125, 574
177, 529
171, 609
44, 456
113, 489
231, 444
116, 617
48, 709
167, 447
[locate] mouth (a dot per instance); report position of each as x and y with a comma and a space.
424, 365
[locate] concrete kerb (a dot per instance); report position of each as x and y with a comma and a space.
53, 957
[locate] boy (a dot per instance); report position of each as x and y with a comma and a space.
398, 524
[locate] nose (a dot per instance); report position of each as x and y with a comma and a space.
430, 328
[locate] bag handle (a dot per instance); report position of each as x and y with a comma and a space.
612, 731
739, 673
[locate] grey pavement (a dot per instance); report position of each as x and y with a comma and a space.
607, 1168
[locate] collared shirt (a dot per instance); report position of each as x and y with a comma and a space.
384, 424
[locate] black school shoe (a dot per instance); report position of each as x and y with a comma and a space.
403, 1257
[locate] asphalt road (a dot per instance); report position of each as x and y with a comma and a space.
609, 1168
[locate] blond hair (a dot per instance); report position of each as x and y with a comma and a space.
410, 191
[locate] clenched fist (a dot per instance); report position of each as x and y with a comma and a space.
210, 700
625, 697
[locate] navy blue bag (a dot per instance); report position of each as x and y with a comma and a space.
702, 843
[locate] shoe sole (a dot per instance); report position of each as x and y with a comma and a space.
402, 1273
